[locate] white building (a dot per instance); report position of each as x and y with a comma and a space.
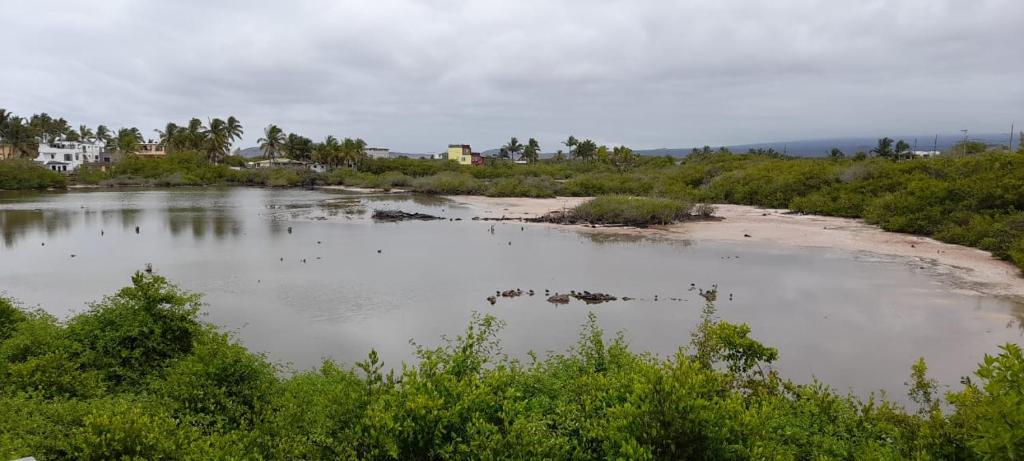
378, 152
926, 153
66, 156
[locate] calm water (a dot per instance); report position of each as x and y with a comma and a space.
856, 321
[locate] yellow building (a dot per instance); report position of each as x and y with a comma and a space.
460, 153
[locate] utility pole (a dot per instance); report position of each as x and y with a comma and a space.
1010, 147
965, 141
935, 147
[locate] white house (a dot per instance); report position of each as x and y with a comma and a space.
66, 156
926, 153
378, 152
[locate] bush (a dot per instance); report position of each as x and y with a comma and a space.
520, 186
137, 331
632, 211
20, 174
448, 183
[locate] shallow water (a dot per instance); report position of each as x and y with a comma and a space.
854, 320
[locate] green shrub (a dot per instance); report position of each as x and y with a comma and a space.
138, 330
448, 183
633, 211
520, 186
19, 174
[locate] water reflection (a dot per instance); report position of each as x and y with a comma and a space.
200, 222
19, 224
307, 274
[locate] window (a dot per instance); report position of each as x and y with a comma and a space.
67, 157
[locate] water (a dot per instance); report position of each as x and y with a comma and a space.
855, 321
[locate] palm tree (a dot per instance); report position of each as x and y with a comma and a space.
218, 140
836, 153
532, 151
352, 151
884, 148
170, 137
585, 150
571, 143
902, 149
103, 134
22, 137
127, 141
234, 128
327, 152
272, 141
512, 148
86, 134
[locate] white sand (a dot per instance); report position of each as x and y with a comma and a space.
968, 268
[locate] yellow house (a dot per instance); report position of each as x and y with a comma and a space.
460, 153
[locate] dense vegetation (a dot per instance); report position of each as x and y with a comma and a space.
23, 174
139, 376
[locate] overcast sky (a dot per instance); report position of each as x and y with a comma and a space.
417, 75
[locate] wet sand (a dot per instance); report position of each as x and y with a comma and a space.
966, 268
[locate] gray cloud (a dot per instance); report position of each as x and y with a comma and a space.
417, 75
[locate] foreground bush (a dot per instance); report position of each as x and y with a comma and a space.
22, 174
146, 380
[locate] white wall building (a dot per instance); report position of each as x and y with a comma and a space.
378, 152
66, 156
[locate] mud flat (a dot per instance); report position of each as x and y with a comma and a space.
967, 268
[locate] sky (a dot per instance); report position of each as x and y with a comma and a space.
415, 75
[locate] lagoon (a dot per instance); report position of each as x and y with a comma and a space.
304, 275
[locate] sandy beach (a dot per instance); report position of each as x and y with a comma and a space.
966, 268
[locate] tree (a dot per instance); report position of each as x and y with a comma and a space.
352, 152
884, 148
170, 137
297, 147
903, 149
218, 140
103, 134
85, 134
328, 152
585, 150
559, 156
127, 141
235, 129
571, 143
272, 141
836, 153
532, 151
512, 148
20, 135
623, 158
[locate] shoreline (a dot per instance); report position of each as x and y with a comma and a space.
968, 268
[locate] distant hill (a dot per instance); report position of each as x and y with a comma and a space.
250, 152
849, 146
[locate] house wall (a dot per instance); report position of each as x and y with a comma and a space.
462, 154
72, 153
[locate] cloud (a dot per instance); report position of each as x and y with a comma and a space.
417, 75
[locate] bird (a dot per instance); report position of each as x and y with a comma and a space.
378, 251
136, 229
101, 232
289, 229
72, 255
